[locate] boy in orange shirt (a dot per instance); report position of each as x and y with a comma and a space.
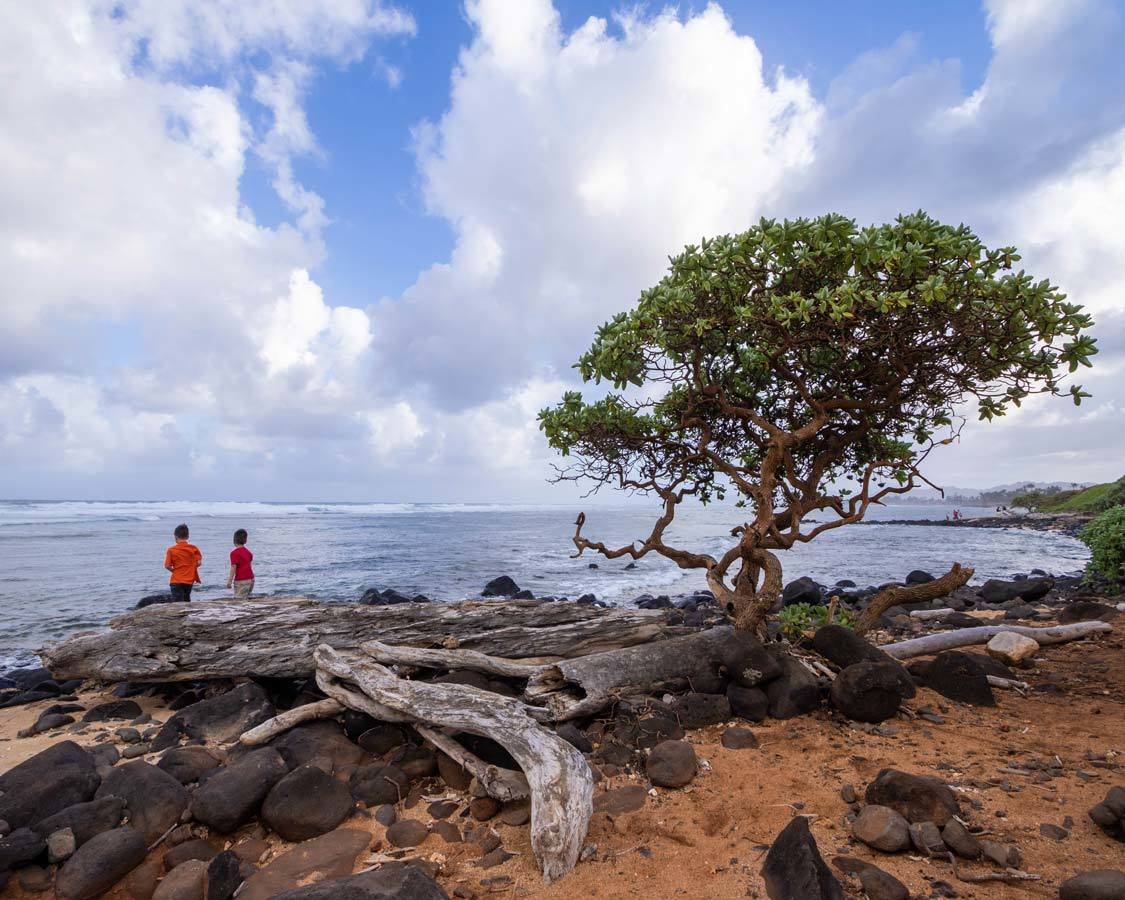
182, 560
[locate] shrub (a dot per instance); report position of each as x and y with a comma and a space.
798, 618
1105, 536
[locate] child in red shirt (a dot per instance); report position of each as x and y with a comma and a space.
241, 575
182, 560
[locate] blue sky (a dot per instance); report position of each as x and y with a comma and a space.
346, 249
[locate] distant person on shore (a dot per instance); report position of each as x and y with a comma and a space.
182, 560
241, 576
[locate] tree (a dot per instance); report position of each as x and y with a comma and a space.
806, 366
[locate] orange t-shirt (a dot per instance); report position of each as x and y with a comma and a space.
184, 558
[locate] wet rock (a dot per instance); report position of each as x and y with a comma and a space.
113, 709
794, 868
223, 876
232, 796
407, 833
306, 803
671, 764
880, 885
739, 739
958, 839
801, 590
196, 849
794, 692
381, 739
960, 677
154, 800
695, 710
882, 828
151, 599
1099, 884
918, 576
1109, 815
503, 586
392, 881
1011, 648
926, 839
60, 776
84, 819
218, 719
747, 662
917, 798
19, 847
188, 764
375, 785
185, 882
871, 691
749, 703
99, 863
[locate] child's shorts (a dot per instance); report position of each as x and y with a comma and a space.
242, 589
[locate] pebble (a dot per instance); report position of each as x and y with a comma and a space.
407, 833
483, 808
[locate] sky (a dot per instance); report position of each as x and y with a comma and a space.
347, 249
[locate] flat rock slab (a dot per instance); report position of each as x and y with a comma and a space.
332, 855
621, 800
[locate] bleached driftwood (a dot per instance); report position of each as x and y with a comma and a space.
569, 688
499, 783
276, 637
927, 615
559, 779
291, 718
912, 593
967, 637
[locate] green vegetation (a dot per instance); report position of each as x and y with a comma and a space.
806, 366
1094, 499
798, 618
1105, 536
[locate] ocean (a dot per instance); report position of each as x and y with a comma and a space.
71, 566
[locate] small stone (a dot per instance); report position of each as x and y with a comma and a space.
1054, 832
61, 845
407, 833
442, 809
927, 839
1004, 855
386, 815
128, 735
133, 751
672, 764
882, 828
880, 885
493, 858
848, 794
447, 831
739, 739
958, 839
483, 808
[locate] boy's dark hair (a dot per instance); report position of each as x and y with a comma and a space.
240, 537
181, 532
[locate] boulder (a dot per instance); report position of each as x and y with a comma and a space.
871, 691
749, 703
503, 586
671, 764
917, 798
1087, 611
60, 776
100, 863
1098, 884
842, 646
960, 677
113, 709
918, 576
318, 740
880, 885
85, 820
46, 722
794, 692
306, 803
958, 839
329, 856
1011, 648
408, 833
151, 599
154, 800
802, 590
695, 710
188, 764
219, 719
794, 869
375, 785
381, 739
739, 739
19, 848
391, 881
60, 845
196, 849
747, 662
185, 882
232, 796
881, 828
926, 839
1109, 815
223, 877
996, 591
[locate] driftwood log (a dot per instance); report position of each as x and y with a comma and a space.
915, 593
967, 637
276, 637
560, 782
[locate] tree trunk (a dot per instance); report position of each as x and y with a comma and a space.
751, 602
917, 593
230, 639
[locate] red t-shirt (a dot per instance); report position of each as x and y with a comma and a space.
241, 558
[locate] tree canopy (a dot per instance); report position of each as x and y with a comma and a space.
808, 365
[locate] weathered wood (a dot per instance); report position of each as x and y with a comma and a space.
913, 593
276, 637
967, 637
291, 718
560, 780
